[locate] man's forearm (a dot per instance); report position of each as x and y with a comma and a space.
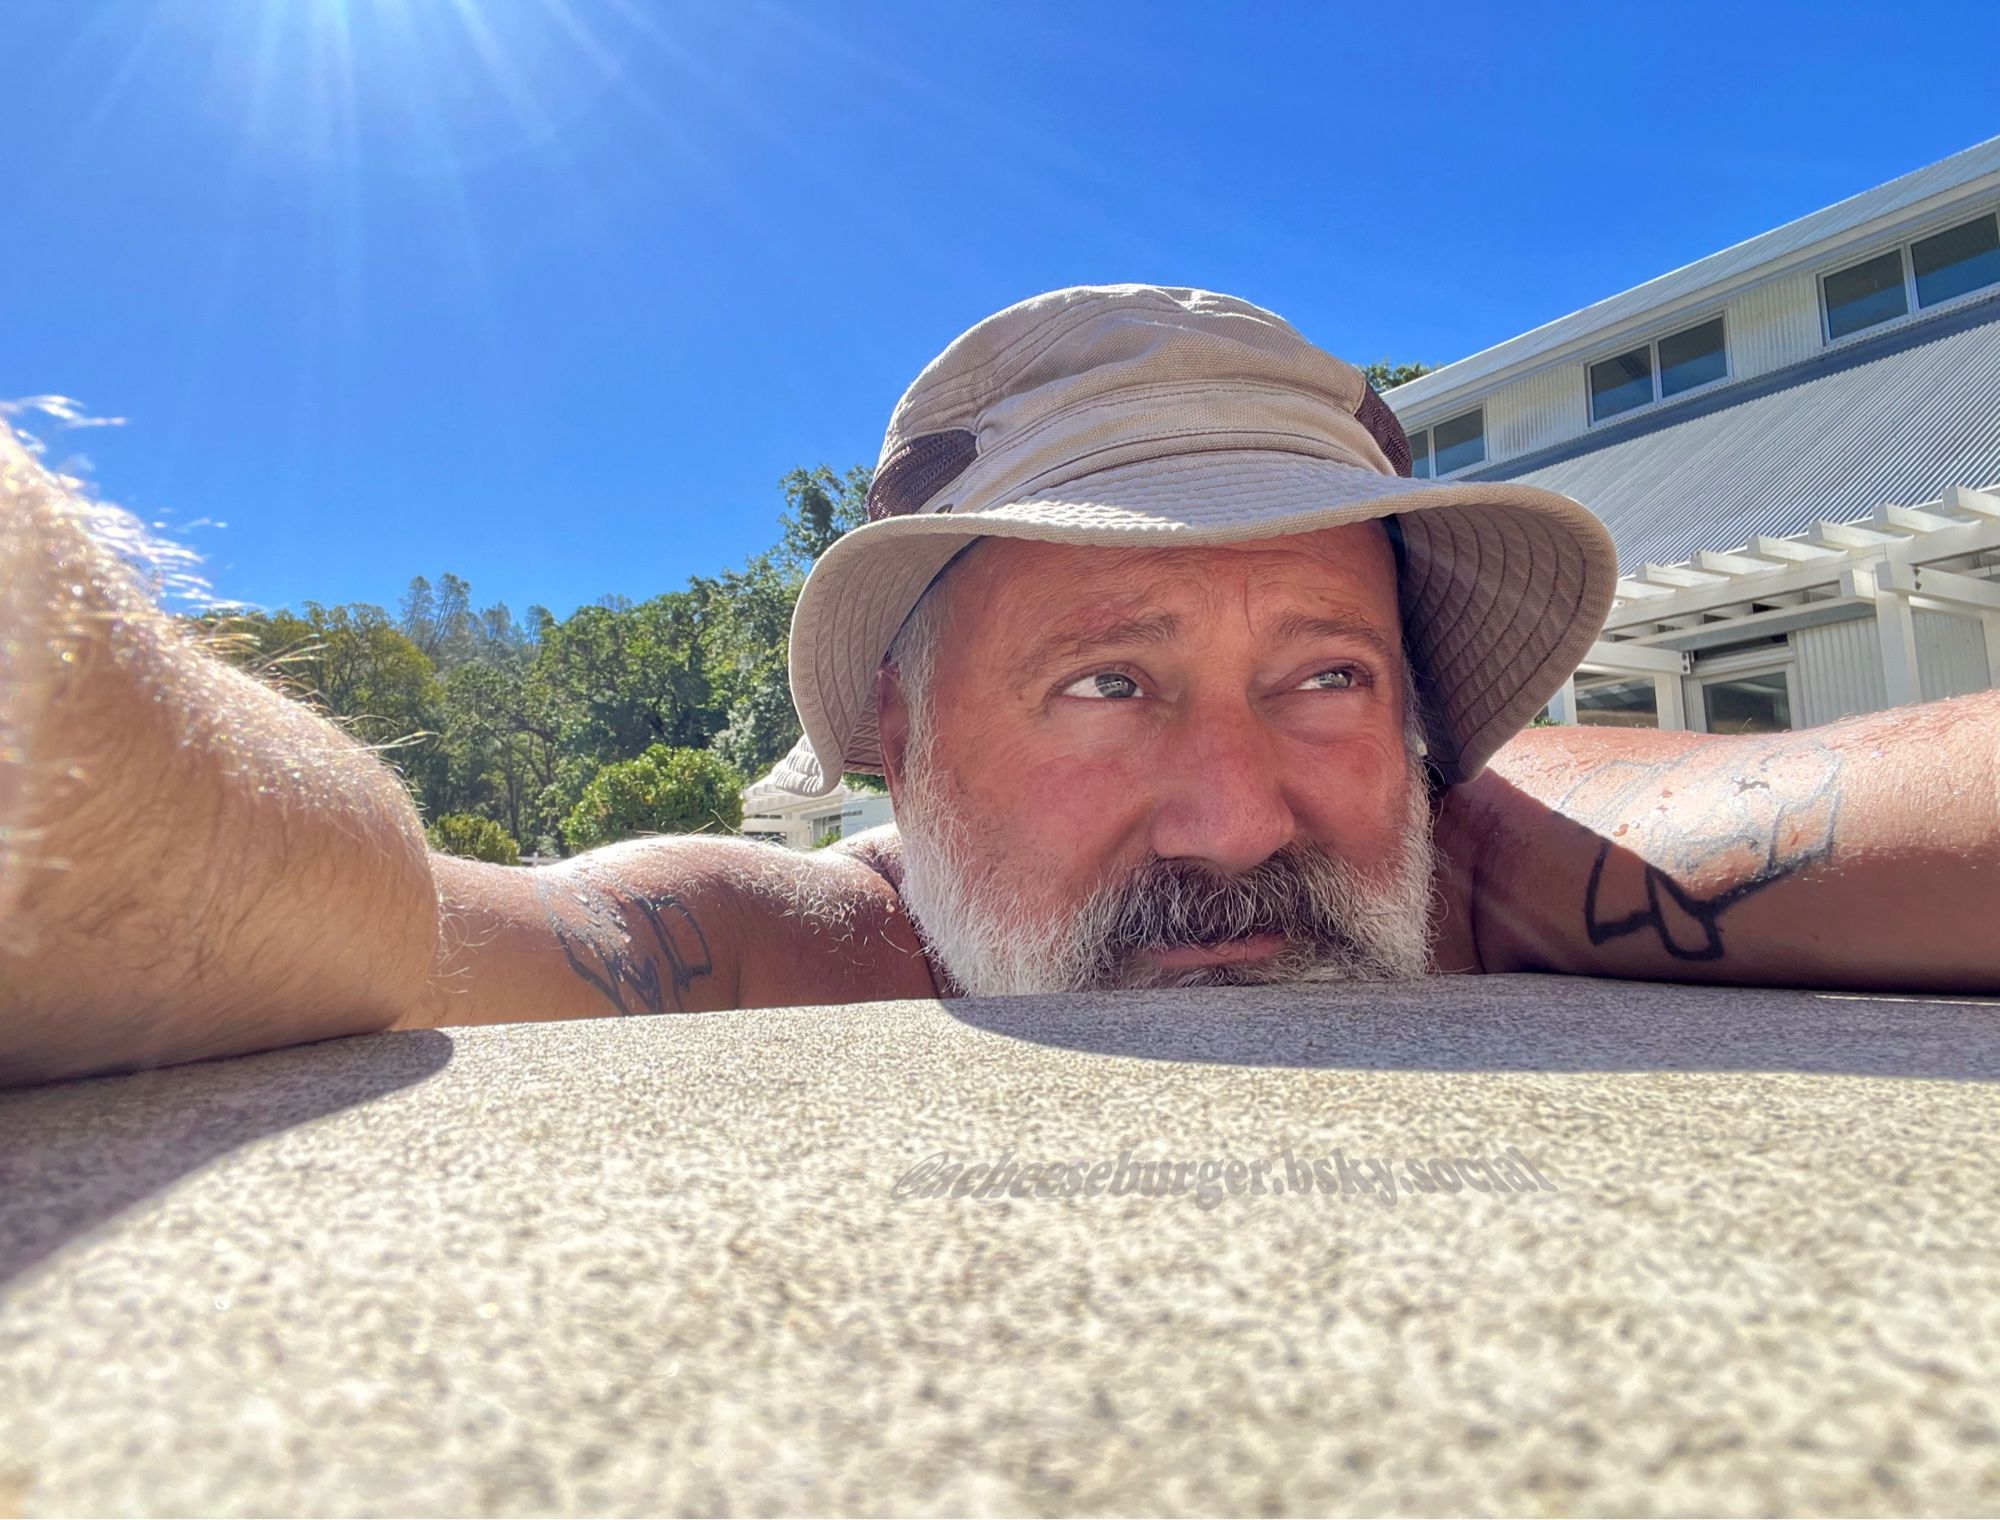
1865, 853
190, 863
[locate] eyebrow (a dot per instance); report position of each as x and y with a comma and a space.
1150, 630
1157, 629
1299, 627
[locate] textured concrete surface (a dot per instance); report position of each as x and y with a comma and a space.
658, 1265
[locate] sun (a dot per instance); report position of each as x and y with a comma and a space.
421, 87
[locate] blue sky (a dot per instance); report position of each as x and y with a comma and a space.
550, 293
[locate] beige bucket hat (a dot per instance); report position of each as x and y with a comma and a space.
1141, 414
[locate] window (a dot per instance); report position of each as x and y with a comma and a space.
1759, 703
1617, 385
1459, 443
1865, 295
1691, 357
1617, 703
1932, 270
1450, 446
1957, 260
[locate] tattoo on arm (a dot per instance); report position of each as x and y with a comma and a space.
1682, 841
638, 957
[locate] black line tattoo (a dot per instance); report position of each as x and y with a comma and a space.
599, 943
1713, 814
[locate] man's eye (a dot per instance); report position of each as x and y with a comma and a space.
1105, 683
1329, 680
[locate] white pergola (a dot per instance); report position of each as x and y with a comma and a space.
1943, 556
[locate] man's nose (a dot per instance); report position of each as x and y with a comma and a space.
1221, 793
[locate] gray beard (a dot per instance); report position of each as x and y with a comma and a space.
1338, 923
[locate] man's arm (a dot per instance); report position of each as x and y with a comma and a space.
1862, 854
681, 925
192, 864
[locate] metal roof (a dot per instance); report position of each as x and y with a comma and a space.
1747, 262
1898, 419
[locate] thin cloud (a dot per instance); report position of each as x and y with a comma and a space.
64, 409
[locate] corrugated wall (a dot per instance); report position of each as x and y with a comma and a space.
1767, 328
1951, 655
1959, 173
1839, 671
1773, 325
1535, 412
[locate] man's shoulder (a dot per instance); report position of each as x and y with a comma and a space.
880, 849
821, 926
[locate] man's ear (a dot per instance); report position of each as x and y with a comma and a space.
892, 725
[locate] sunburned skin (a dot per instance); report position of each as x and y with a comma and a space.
1166, 723
1224, 737
647, 967
1764, 820
1097, 710
191, 864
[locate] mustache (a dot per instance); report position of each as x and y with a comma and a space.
1299, 893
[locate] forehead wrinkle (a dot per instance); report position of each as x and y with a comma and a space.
1151, 630
1076, 596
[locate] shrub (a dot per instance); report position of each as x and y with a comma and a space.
474, 838
664, 791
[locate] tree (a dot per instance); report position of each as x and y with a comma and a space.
819, 507
763, 725
440, 621
500, 742
748, 619
664, 791
626, 677
746, 626
515, 722
351, 663
473, 838
1385, 376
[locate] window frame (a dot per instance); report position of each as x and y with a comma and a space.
1428, 433
1652, 347
1735, 667
1586, 683
1913, 309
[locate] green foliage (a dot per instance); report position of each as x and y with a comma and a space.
631, 676
763, 725
664, 791
352, 664
500, 742
474, 838
820, 506
1385, 376
514, 721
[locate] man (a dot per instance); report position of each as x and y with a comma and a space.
1174, 675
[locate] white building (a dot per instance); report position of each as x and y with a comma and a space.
805, 823
1795, 443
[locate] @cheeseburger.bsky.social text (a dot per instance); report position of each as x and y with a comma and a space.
1206, 1181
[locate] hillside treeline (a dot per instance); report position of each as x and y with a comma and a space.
551, 735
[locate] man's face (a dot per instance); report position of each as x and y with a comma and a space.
1164, 766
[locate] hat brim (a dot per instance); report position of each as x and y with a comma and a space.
1504, 586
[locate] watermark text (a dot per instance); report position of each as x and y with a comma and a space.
1207, 1181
